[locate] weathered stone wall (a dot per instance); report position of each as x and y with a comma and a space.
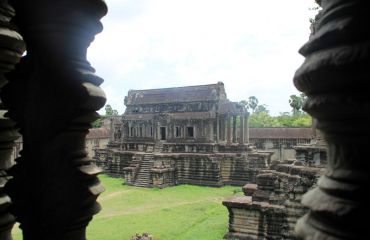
198, 169
200, 164
272, 206
112, 162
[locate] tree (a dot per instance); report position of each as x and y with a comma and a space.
252, 103
261, 108
244, 103
109, 111
261, 120
296, 102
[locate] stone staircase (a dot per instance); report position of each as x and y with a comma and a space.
143, 176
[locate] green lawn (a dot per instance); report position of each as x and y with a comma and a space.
176, 213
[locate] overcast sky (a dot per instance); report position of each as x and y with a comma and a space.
251, 46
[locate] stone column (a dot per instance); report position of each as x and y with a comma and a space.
234, 128
53, 95
241, 129
129, 130
210, 131
112, 129
11, 49
246, 127
335, 78
158, 129
217, 128
228, 129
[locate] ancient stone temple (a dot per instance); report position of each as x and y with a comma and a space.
52, 96
180, 135
272, 205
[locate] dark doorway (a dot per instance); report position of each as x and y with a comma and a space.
163, 133
190, 131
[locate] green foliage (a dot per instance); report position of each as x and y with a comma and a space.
252, 103
109, 111
296, 102
295, 120
97, 123
263, 119
261, 108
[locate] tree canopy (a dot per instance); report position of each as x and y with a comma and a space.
260, 116
109, 111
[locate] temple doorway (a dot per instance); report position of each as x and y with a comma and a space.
163, 133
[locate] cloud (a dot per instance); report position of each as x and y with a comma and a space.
249, 45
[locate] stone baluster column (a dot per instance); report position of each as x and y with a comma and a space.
335, 77
11, 49
53, 95
234, 128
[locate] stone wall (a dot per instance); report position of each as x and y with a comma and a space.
271, 207
187, 164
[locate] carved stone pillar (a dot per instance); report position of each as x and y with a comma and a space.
129, 130
53, 95
228, 129
246, 127
241, 129
210, 131
335, 77
234, 128
112, 130
11, 49
217, 128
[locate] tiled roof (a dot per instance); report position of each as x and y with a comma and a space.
178, 115
228, 107
98, 133
281, 133
211, 92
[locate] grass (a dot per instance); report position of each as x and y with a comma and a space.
183, 212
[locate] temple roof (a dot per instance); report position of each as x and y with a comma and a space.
211, 92
98, 133
178, 115
229, 107
281, 133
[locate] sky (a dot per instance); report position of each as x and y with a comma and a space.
250, 46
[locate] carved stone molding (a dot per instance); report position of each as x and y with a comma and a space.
335, 78
53, 95
11, 49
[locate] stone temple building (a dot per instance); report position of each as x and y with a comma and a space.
51, 95
190, 134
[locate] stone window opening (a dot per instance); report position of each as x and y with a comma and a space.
163, 133
190, 132
177, 132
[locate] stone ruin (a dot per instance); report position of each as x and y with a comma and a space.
144, 236
271, 207
184, 135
